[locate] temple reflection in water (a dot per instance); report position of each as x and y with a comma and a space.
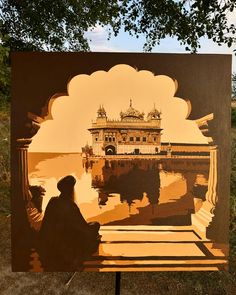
156, 191
130, 179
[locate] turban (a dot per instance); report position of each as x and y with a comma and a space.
66, 183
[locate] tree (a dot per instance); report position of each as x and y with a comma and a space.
53, 25
61, 24
4, 74
187, 20
234, 86
43, 25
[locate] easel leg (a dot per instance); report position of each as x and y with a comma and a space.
117, 287
70, 279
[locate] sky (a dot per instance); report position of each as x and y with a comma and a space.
126, 43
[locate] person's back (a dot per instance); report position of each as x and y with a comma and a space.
66, 239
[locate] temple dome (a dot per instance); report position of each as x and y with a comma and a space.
101, 112
131, 114
154, 114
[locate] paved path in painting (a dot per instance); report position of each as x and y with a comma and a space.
150, 248
155, 248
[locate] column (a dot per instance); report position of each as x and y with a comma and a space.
22, 145
211, 195
203, 218
21, 232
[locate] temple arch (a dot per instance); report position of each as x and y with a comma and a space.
110, 150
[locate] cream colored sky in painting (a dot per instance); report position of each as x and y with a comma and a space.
72, 114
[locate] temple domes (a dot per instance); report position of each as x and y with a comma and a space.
101, 112
131, 114
132, 134
154, 114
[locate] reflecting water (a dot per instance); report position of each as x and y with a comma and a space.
126, 192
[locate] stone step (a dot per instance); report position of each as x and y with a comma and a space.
154, 262
147, 249
148, 236
159, 268
161, 228
156, 265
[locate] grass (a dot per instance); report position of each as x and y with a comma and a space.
233, 116
4, 159
215, 283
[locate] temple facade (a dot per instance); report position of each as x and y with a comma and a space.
132, 134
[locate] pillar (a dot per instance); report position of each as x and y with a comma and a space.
203, 218
22, 145
21, 231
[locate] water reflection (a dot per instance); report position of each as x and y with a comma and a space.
131, 180
154, 195
125, 192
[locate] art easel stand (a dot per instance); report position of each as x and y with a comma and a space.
117, 284
117, 281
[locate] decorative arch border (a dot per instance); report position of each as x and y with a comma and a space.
200, 220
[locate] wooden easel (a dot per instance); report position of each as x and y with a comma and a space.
117, 281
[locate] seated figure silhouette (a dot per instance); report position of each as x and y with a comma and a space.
66, 239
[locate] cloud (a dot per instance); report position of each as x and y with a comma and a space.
98, 40
231, 17
72, 114
97, 34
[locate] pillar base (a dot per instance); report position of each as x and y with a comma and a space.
203, 218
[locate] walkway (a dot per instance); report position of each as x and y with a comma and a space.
154, 248
150, 248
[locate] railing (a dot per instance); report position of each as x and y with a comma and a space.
143, 156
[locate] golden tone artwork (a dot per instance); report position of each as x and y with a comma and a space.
126, 169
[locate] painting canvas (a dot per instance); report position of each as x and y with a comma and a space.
120, 162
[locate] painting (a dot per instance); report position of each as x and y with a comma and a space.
127, 169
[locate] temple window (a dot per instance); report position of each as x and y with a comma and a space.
154, 138
96, 138
110, 139
131, 139
144, 139
137, 138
